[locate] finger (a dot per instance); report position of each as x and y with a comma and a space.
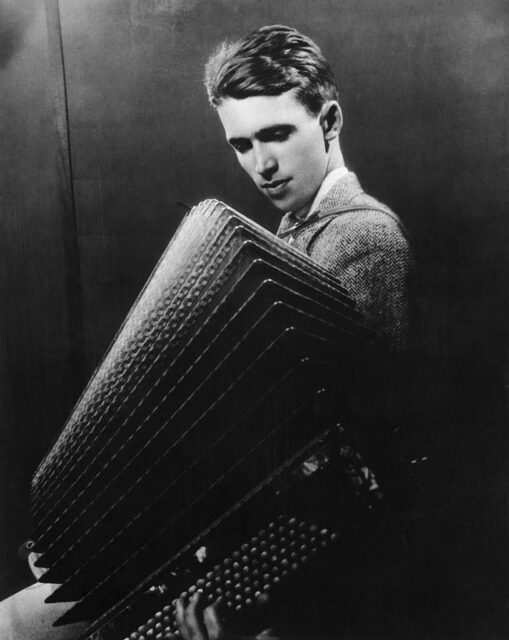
213, 623
179, 611
193, 618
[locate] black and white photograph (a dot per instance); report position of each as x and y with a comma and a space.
253, 320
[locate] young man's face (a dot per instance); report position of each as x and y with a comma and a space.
280, 145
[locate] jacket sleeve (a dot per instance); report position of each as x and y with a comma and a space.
371, 257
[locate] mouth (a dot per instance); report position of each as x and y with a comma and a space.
276, 186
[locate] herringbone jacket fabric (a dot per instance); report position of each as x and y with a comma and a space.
367, 250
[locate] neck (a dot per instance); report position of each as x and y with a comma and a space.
335, 161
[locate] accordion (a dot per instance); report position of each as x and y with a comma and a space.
206, 449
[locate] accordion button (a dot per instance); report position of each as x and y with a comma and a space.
227, 561
248, 602
236, 555
244, 547
236, 566
238, 607
200, 583
167, 609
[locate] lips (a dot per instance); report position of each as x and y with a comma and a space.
275, 187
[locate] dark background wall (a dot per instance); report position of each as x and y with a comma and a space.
87, 199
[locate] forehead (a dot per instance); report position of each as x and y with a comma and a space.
244, 118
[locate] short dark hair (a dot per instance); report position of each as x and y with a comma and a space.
270, 61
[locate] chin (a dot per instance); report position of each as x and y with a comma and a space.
284, 204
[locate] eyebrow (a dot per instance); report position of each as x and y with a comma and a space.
263, 135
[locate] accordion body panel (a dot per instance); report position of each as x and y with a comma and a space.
224, 388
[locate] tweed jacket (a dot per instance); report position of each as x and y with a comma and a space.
367, 250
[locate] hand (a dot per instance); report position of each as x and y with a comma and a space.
197, 622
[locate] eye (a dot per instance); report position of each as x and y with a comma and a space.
241, 146
280, 135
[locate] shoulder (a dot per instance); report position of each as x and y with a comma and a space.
363, 231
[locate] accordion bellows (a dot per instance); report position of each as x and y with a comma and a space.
223, 373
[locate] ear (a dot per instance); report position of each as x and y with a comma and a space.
331, 120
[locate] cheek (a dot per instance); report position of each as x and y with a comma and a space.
245, 163
309, 155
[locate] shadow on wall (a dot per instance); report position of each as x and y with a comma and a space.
15, 18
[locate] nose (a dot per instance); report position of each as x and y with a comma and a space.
265, 162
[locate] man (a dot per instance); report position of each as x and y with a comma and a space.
277, 100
